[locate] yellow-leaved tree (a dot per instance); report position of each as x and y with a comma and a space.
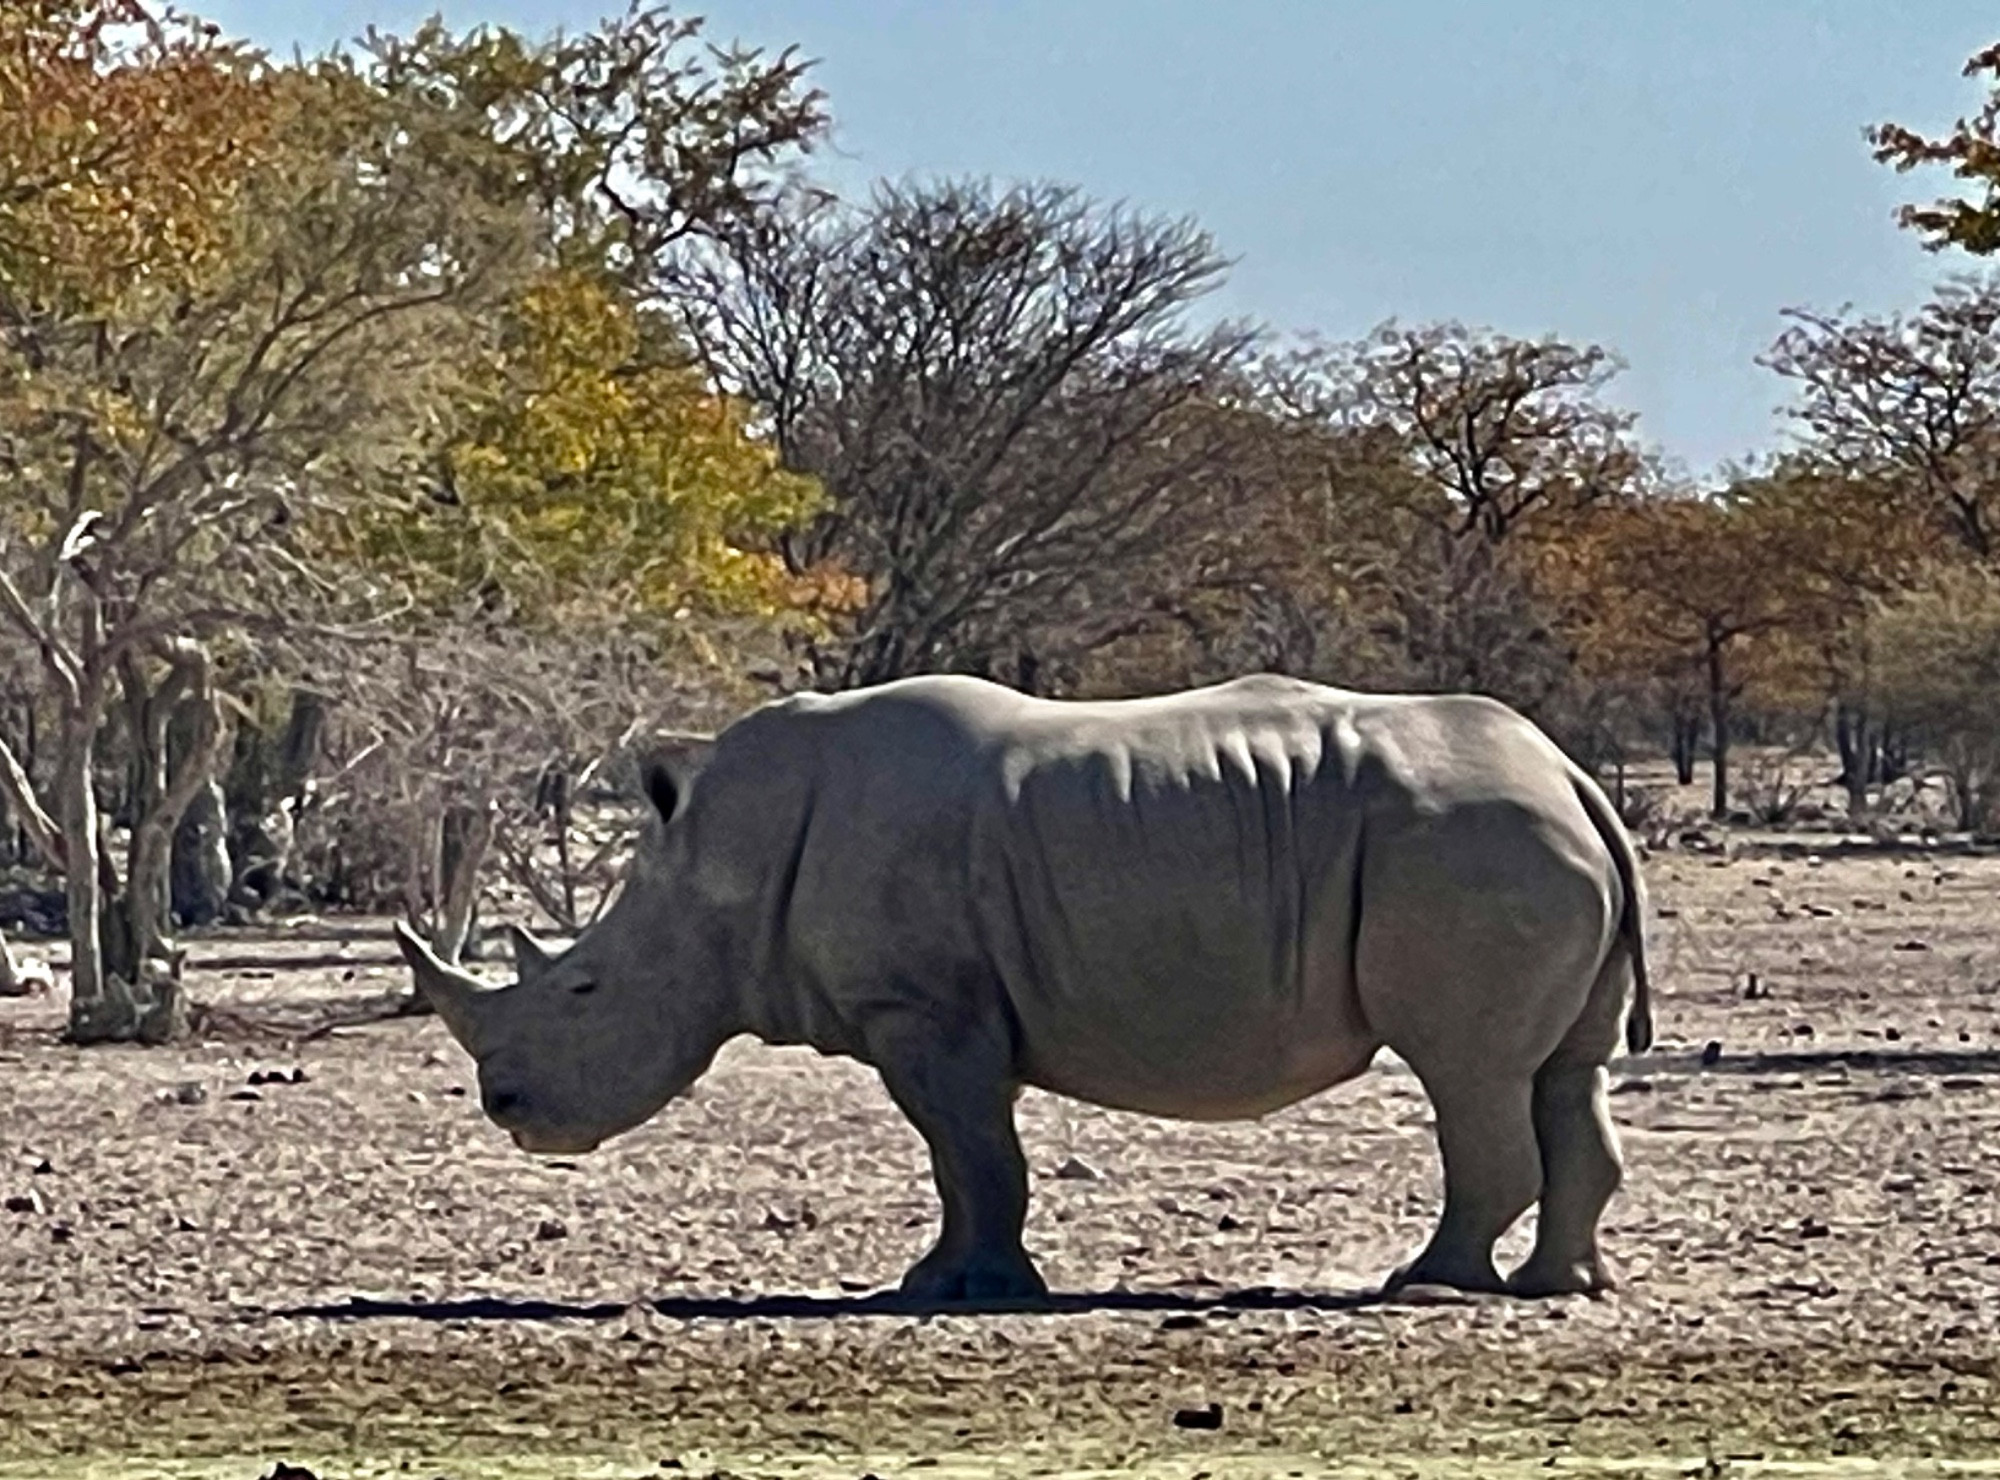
598, 477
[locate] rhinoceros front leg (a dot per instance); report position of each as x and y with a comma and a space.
956, 1086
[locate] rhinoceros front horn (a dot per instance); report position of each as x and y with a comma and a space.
454, 993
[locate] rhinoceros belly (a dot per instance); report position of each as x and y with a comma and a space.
1183, 947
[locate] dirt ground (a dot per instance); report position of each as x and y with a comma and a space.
355, 1274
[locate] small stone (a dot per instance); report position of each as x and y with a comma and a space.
44, 1168
62, 1233
1913, 945
1810, 1227
1074, 1170
550, 1230
30, 1202
245, 1094
1227, 1224
1711, 1053
284, 1471
298, 1076
1199, 1418
189, 1093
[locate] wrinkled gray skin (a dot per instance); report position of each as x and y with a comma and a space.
1207, 905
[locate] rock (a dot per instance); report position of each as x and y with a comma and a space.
284, 1471
29, 1202
550, 1230
62, 1233
1711, 1053
189, 1093
1810, 1227
1199, 1418
1227, 1224
1912, 945
44, 1168
1073, 1170
245, 1094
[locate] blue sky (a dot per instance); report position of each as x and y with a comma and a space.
1662, 178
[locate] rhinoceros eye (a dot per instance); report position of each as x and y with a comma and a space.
582, 988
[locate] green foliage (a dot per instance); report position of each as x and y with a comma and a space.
1971, 151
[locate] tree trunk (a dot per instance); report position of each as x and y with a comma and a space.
466, 835
1718, 721
11, 984
1686, 740
129, 987
261, 796
114, 996
1853, 739
200, 872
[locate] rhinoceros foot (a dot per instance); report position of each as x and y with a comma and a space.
1430, 1272
1541, 1276
979, 1279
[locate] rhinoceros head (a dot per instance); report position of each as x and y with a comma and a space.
591, 1041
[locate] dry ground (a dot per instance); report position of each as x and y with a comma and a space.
356, 1274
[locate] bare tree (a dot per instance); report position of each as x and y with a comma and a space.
475, 744
1503, 427
991, 386
1913, 401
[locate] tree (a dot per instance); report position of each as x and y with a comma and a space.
995, 389
590, 498
177, 436
1847, 542
1506, 428
596, 477
1503, 442
1669, 589
1911, 404
1945, 680
1972, 152
125, 135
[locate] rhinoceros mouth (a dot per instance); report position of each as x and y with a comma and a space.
549, 1143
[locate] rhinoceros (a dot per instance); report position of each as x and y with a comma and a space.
1205, 905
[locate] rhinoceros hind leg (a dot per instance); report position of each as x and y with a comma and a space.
958, 1091
1581, 1169
1492, 1170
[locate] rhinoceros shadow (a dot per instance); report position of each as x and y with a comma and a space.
873, 1303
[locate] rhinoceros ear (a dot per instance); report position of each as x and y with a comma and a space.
531, 957
668, 771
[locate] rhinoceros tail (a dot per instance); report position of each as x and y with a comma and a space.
1632, 921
